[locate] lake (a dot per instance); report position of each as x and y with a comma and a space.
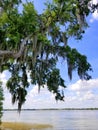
57, 119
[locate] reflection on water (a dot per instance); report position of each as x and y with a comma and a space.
59, 119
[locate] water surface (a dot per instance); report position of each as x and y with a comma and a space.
58, 119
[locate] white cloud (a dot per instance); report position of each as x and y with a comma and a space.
94, 1
3, 78
83, 85
42, 99
7, 96
88, 96
85, 92
95, 14
79, 94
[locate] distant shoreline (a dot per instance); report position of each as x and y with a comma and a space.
52, 109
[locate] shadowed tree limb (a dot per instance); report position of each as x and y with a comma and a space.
15, 55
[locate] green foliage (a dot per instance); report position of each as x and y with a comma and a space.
17, 84
33, 43
54, 82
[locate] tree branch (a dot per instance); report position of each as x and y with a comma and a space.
15, 55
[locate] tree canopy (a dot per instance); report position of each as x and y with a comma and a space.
31, 44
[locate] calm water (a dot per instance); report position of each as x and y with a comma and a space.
59, 119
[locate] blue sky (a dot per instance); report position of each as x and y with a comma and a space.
78, 93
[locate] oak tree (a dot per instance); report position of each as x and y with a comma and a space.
32, 43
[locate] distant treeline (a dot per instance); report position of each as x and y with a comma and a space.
52, 109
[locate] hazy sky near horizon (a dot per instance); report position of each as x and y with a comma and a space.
78, 93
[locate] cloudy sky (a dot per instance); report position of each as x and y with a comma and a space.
78, 93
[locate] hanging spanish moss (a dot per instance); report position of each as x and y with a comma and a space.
31, 45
